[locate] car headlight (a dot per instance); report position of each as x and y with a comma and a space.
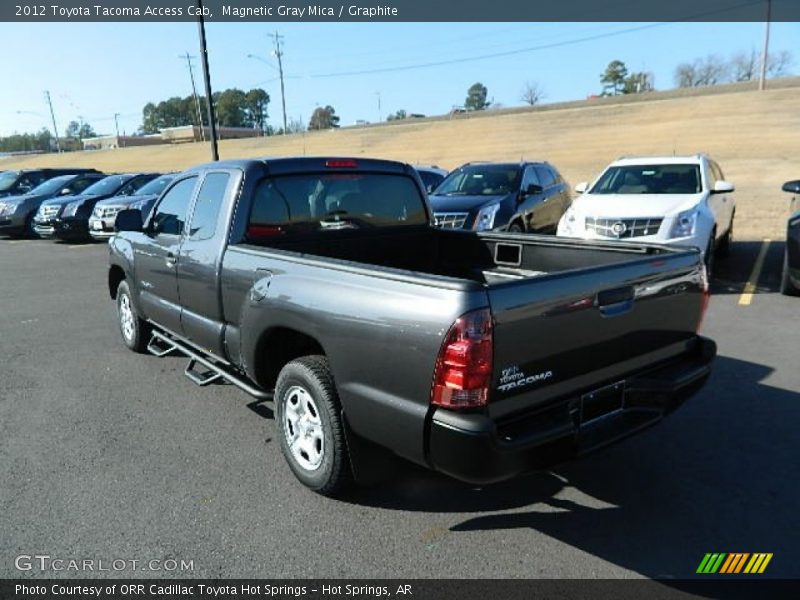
568, 222
485, 218
71, 208
684, 224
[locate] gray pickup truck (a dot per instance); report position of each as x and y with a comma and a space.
320, 284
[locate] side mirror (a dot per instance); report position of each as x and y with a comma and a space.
722, 187
429, 188
582, 187
128, 220
532, 190
65, 192
793, 187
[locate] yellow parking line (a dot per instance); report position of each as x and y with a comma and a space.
750, 287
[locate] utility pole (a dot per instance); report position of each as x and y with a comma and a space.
378, 94
279, 54
765, 54
53, 116
212, 122
116, 124
189, 60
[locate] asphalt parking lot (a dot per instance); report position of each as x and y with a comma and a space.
105, 454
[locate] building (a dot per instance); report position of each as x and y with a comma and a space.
191, 133
109, 142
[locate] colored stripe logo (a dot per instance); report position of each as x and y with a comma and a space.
732, 563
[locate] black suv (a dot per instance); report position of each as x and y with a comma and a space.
17, 183
517, 197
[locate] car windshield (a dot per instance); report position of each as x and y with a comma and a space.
156, 186
650, 179
481, 180
310, 203
51, 185
107, 185
7, 179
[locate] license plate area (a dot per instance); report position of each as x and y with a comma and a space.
602, 402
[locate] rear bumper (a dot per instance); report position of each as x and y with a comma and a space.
473, 448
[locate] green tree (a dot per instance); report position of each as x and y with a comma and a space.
398, 116
256, 104
476, 97
613, 78
323, 118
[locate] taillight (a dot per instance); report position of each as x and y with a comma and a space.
341, 163
464, 366
704, 289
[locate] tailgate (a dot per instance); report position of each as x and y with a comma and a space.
576, 330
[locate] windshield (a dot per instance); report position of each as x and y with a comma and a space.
650, 179
156, 186
51, 185
329, 201
481, 180
7, 179
108, 185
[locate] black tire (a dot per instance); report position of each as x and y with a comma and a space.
724, 246
319, 457
515, 227
711, 251
134, 330
787, 287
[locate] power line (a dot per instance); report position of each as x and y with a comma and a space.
530, 48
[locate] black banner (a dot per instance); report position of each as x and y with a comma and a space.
401, 10
416, 589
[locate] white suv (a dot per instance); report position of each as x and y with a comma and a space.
681, 200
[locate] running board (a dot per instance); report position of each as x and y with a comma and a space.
159, 346
215, 372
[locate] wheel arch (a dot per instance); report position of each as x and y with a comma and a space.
276, 347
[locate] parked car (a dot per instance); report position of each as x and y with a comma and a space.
101, 223
68, 218
474, 354
517, 197
680, 200
21, 182
17, 212
431, 175
790, 276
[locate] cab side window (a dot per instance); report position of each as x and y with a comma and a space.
207, 206
169, 216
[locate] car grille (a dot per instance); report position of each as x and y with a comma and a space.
623, 228
105, 212
450, 220
48, 212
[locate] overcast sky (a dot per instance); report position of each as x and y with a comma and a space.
94, 70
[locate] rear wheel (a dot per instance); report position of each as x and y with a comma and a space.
308, 415
787, 287
135, 330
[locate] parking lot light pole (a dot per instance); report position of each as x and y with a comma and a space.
212, 122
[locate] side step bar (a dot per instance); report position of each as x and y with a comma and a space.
159, 342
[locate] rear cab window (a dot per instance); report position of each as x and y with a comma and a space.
319, 202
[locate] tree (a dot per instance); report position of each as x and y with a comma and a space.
637, 83
398, 116
256, 103
744, 66
614, 77
79, 130
323, 118
476, 97
532, 93
710, 70
778, 63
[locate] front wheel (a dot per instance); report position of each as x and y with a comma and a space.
709, 257
515, 228
134, 329
788, 288
308, 415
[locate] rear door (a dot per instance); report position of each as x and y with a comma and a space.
200, 258
532, 207
551, 205
578, 329
156, 255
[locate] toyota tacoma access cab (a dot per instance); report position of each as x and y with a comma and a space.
322, 285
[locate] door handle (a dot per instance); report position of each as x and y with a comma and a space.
171, 259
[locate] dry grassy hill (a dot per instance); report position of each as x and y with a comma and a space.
754, 136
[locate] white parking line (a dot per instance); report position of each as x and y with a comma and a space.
750, 287
81, 246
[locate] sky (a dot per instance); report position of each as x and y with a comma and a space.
94, 70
